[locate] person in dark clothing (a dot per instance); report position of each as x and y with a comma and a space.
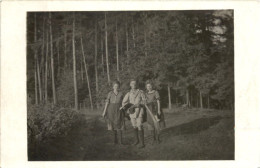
156, 117
114, 117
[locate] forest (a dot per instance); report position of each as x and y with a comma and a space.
72, 57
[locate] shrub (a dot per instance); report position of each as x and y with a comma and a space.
45, 122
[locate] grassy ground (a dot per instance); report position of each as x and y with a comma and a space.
191, 134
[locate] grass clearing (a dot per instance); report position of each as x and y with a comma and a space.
190, 134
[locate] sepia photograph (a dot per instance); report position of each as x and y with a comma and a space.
130, 85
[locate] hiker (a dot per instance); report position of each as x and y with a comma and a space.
135, 97
114, 117
155, 119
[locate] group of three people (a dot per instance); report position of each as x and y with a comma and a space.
138, 103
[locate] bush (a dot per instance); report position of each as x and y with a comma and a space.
45, 122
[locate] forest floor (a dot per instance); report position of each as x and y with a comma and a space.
190, 134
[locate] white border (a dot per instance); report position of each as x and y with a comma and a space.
13, 79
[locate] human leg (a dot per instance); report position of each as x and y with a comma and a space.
120, 137
115, 136
135, 130
140, 131
152, 132
157, 136
141, 136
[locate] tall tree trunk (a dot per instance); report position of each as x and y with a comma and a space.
65, 51
191, 98
198, 100
86, 69
41, 63
145, 34
122, 54
145, 43
133, 31
74, 65
49, 68
52, 64
126, 32
43, 59
208, 101
117, 56
102, 56
39, 75
35, 88
108, 75
149, 42
176, 97
169, 97
96, 52
39, 81
58, 52
35, 63
81, 70
187, 98
46, 68
201, 103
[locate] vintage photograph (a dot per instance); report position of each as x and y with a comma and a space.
130, 85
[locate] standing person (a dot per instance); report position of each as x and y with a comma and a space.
114, 118
152, 100
135, 97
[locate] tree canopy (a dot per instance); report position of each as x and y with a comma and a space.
192, 52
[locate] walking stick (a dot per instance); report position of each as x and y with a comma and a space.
156, 123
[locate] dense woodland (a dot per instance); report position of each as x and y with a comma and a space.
73, 57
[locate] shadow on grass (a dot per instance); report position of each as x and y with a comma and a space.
102, 150
96, 142
192, 127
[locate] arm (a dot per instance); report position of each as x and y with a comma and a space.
125, 100
157, 96
107, 102
144, 101
159, 107
139, 98
105, 109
